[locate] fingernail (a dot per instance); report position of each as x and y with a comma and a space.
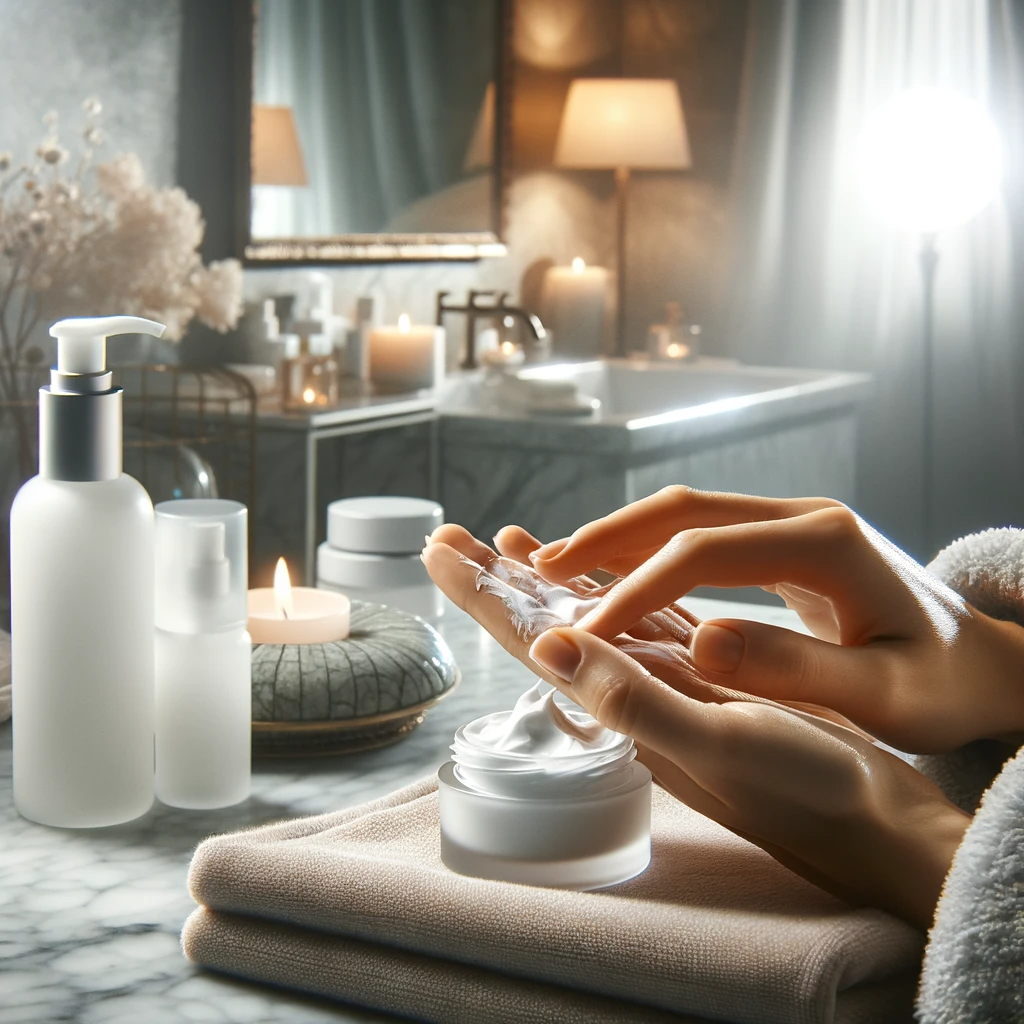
717, 648
426, 540
559, 655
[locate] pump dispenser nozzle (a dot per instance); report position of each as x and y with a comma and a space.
82, 341
80, 411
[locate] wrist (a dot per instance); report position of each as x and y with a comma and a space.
918, 844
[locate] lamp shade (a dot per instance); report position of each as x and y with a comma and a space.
276, 154
623, 122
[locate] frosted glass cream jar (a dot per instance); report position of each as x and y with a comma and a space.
543, 795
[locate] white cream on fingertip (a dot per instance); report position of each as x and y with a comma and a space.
533, 605
587, 619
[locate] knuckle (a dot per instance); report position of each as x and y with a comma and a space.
678, 496
688, 543
617, 706
839, 525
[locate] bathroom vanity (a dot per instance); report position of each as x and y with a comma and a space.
637, 426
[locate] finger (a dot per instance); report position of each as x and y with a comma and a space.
623, 696
459, 538
515, 542
822, 551
508, 599
458, 578
786, 666
651, 522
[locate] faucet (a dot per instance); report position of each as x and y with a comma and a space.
474, 311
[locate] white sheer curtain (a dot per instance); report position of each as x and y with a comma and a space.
821, 281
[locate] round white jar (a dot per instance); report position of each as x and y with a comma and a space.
372, 552
543, 795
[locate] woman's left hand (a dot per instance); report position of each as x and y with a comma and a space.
819, 797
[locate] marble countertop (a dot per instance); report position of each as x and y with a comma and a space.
90, 919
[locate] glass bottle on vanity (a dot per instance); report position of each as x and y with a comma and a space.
673, 340
309, 379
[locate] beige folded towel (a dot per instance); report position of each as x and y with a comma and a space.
357, 905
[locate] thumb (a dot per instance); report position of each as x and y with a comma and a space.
775, 662
620, 693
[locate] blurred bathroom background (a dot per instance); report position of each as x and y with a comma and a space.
764, 240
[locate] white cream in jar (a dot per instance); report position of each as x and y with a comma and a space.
544, 795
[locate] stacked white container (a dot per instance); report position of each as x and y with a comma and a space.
372, 552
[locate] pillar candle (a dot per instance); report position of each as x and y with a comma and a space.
407, 357
574, 307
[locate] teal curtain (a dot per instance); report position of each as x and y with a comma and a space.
385, 95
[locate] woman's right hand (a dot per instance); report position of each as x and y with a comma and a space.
894, 650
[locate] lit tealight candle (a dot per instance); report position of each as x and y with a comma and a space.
284, 614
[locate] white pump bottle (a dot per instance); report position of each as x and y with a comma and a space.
82, 600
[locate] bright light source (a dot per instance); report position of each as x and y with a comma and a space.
930, 159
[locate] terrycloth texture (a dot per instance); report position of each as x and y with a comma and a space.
357, 905
974, 965
974, 969
987, 570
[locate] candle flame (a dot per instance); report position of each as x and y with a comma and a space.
283, 590
508, 347
676, 351
403, 323
309, 396
578, 266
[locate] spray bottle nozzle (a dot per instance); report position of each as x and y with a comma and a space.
82, 341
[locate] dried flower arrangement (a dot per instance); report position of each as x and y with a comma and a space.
95, 241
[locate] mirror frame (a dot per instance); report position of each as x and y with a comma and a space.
383, 247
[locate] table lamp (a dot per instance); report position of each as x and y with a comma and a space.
929, 159
622, 124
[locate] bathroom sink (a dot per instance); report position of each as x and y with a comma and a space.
636, 426
642, 397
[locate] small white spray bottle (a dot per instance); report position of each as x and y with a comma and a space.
82, 600
203, 654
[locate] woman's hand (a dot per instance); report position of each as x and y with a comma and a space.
818, 797
896, 652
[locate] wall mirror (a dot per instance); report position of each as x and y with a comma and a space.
378, 130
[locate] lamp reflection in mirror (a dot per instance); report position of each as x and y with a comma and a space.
276, 163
